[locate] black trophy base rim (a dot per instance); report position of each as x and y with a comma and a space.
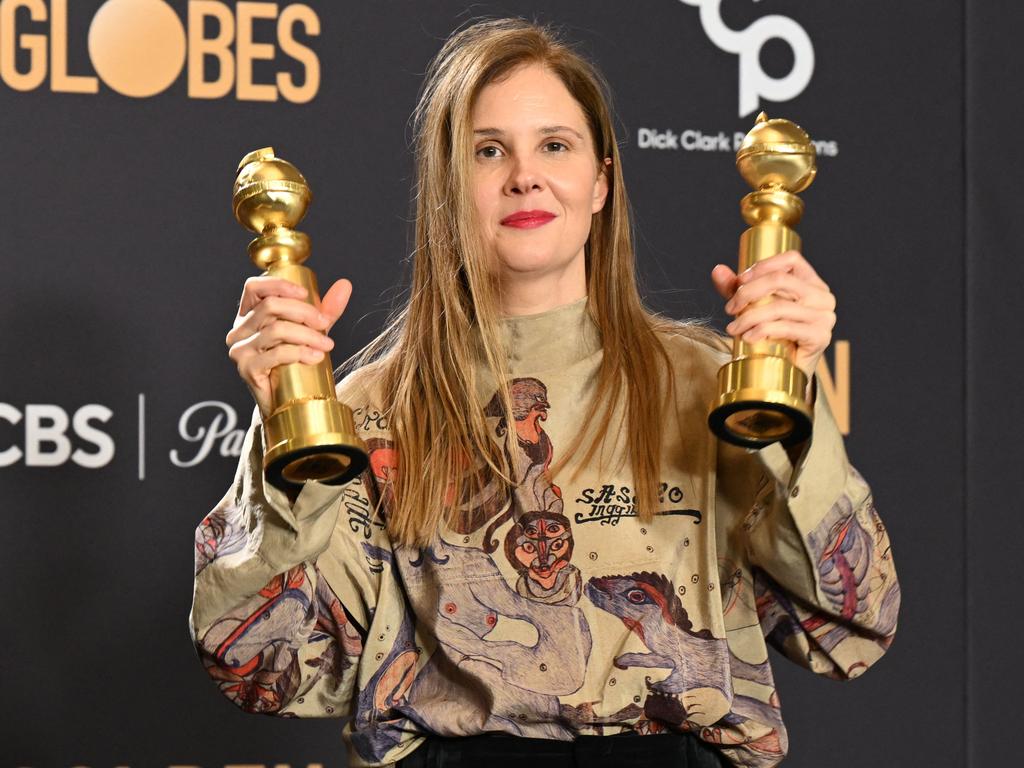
800, 430
280, 473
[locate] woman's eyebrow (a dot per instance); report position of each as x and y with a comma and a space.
545, 131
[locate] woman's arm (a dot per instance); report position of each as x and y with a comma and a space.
826, 589
824, 579
271, 631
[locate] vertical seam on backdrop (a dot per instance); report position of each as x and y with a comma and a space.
965, 252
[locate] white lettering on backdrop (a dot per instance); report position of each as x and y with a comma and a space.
48, 434
207, 424
755, 83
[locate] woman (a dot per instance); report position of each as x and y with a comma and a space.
566, 556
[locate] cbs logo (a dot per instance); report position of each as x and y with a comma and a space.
46, 441
138, 48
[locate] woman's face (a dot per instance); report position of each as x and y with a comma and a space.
536, 178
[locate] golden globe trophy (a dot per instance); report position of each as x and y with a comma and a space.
762, 393
309, 435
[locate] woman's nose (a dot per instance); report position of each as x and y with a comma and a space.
523, 176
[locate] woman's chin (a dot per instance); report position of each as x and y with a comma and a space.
532, 264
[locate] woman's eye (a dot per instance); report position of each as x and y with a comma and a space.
488, 151
558, 146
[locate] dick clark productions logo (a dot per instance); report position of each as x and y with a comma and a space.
747, 43
139, 48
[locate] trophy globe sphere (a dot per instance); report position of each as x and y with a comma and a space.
269, 192
777, 154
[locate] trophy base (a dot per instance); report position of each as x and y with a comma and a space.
753, 424
762, 402
328, 464
312, 440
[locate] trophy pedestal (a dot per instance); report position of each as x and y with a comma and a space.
312, 440
762, 402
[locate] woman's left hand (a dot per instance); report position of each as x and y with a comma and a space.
800, 307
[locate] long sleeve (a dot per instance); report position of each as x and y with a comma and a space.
825, 584
274, 635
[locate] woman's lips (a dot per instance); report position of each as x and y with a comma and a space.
527, 219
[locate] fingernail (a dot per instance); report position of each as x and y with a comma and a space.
322, 318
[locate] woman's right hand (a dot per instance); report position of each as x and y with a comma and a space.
276, 325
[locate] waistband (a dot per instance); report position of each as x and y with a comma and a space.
625, 750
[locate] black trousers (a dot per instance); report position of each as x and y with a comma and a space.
627, 750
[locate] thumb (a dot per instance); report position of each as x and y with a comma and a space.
335, 301
725, 281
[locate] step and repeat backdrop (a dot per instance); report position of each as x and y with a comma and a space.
121, 417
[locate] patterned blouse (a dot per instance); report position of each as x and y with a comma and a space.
552, 611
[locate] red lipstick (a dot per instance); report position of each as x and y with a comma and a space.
527, 219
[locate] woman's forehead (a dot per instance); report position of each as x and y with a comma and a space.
531, 98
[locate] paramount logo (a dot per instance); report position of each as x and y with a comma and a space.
208, 426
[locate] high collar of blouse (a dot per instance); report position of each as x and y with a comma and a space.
555, 338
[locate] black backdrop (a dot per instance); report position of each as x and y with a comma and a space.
123, 264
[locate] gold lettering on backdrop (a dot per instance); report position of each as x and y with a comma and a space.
139, 48
200, 47
60, 80
11, 43
298, 94
836, 388
249, 51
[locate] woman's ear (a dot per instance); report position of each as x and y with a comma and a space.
601, 185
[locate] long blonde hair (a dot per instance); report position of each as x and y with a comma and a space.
427, 357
